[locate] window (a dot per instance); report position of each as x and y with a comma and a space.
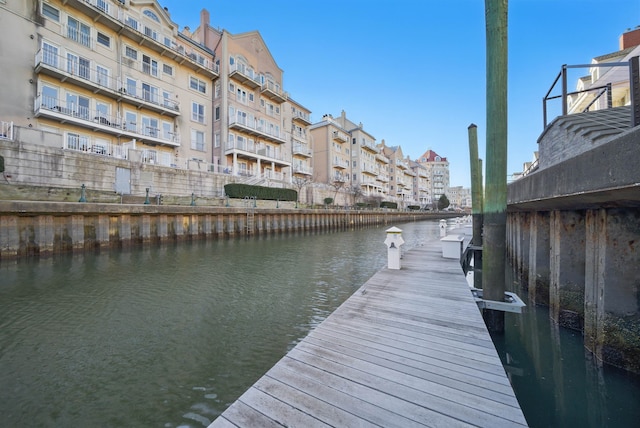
198, 85
217, 113
50, 12
131, 121
77, 142
102, 74
50, 97
197, 140
149, 66
78, 32
151, 15
150, 93
78, 66
131, 22
150, 127
197, 112
166, 131
104, 40
50, 54
167, 69
131, 53
216, 140
78, 105
131, 86
217, 90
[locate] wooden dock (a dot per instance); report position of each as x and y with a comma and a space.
408, 349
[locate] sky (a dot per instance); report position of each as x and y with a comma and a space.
413, 72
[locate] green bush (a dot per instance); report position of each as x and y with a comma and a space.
239, 191
328, 201
388, 204
414, 207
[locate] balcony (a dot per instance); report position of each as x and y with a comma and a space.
240, 73
273, 92
302, 118
302, 169
369, 145
257, 130
251, 150
96, 121
88, 78
302, 150
382, 158
384, 178
340, 164
113, 16
340, 137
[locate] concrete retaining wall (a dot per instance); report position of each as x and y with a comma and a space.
40, 229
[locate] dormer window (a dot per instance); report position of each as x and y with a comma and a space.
151, 15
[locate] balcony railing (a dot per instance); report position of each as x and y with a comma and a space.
87, 144
340, 137
258, 151
97, 120
302, 150
244, 75
302, 117
273, 91
302, 169
91, 78
256, 128
161, 43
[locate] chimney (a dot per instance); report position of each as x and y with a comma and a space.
630, 38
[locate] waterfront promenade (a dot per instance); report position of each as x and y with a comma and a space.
408, 349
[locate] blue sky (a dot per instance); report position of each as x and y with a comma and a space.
413, 71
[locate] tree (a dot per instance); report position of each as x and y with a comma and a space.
443, 202
337, 185
300, 183
356, 193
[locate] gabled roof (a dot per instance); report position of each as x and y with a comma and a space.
430, 156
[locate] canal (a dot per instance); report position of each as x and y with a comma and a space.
169, 336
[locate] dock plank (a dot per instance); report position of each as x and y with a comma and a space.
408, 349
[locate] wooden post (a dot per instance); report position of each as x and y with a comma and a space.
495, 203
476, 203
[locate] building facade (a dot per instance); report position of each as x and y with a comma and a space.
108, 77
438, 174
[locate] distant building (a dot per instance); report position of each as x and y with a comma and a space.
438, 173
459, 197
331, 152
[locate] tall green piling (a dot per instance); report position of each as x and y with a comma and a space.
476, 203
495, 202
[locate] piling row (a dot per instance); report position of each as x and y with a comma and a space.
40, 229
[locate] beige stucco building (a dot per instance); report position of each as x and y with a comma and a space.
249, 102
108, 76
438, 173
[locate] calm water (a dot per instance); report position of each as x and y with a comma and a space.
166, 337
557, 383
170, 336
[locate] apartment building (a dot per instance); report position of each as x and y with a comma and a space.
109, 76
421, 193
438, 173
331, 153
297, 120
363, 151
590, 87
400, 175
249, 102
459, 197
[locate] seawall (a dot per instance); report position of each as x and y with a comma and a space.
29, 229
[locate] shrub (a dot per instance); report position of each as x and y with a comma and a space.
238, 190
414, 207
388, 204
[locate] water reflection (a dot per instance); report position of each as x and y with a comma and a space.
558, 383
168, 336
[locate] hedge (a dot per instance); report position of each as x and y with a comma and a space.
414, 207
238, 190
388, 204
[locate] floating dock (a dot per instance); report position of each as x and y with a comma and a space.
408, 349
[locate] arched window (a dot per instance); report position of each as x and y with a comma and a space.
151, 15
